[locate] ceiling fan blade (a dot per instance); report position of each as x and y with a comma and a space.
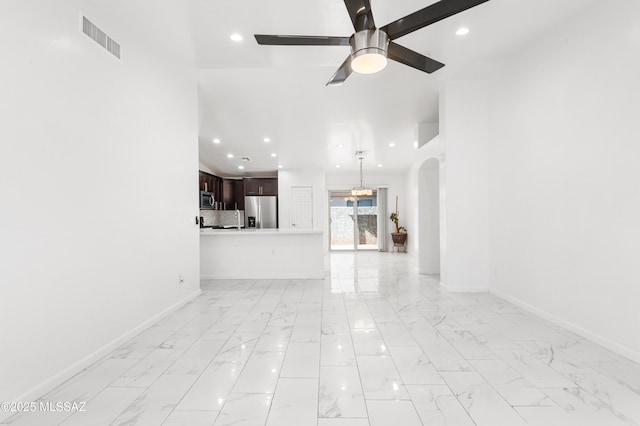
341, 74
281, 40
427, 16
360, 14
413, 59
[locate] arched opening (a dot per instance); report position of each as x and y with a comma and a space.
429, 217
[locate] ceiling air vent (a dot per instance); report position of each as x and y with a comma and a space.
100, 37
246, 159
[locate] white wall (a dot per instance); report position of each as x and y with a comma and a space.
565, 234
433, 149
395, 184
98, 170
429, 212
464, 130
287, 179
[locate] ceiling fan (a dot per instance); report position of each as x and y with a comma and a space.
371, 46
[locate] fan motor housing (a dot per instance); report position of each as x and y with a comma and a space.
369, 45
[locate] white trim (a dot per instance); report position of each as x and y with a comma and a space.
602, 341
53, 382
450, 289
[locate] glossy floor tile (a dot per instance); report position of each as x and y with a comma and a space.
374, 344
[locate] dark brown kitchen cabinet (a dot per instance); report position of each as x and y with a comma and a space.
251, 187
205, 181
260, 186
233, 194
270, 187
211, 183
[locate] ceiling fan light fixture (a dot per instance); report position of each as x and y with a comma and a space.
369, 49
368, 61
371, 46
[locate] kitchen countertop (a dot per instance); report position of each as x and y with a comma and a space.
254, 231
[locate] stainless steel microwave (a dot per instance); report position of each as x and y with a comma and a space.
207, 200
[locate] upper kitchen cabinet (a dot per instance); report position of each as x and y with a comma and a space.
205, 181
232, 194
260, 186
202, 180
217, 187
211, 183
270, 186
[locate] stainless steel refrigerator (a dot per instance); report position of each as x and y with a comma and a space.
264, 211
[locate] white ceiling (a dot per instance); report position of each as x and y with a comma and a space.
249, 92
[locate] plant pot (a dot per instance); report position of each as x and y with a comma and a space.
399, 238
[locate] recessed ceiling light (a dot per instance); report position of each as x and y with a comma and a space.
280, 166
337, 166
236, 37
379, 165
216, 140
340, 145
267, 140
229, 155
273, 154
241, 167
392, 144
462, 31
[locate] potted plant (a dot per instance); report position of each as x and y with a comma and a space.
400, 236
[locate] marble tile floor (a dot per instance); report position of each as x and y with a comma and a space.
372, 344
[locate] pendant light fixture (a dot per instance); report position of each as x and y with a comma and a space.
361, 191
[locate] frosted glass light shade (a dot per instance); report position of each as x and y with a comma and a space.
368, 61
361, 192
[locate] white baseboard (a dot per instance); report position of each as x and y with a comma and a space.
602, 341
53, 382
450, 289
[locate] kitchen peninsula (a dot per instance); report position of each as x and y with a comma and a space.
261, 253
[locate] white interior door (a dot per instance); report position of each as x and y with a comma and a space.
302, 207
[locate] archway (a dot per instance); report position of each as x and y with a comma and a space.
429, 217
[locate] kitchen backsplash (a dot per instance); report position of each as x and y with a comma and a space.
221, 217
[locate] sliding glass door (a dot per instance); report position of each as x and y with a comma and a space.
367, 220
353, 221
342, 225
